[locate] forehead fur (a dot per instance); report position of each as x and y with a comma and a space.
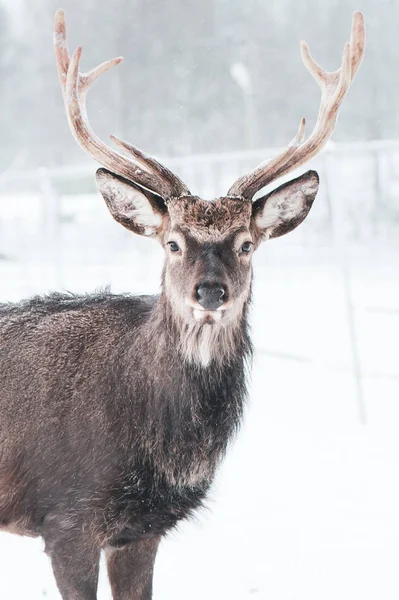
213, 218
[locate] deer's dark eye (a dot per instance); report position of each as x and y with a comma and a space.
246, 247
173, 246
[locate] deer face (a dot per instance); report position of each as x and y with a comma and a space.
208, 244
208, 247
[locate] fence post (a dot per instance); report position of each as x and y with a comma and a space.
343, 260
52, 226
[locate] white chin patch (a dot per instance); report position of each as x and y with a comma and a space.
207, 337
207, 316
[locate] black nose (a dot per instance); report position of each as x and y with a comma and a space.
211, 295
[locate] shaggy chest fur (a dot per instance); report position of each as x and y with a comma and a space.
124, 433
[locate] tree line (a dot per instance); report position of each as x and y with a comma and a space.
209, 76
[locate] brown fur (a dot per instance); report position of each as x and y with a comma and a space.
209, 220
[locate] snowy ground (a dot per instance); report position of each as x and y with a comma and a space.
306, 504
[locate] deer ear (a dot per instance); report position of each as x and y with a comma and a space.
134, 207
286, 207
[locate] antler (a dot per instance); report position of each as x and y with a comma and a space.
140, 169
334, 87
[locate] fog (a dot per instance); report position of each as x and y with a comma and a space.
305, 506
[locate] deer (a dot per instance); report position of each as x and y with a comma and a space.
116, 410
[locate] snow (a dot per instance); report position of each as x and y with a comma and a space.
306, 504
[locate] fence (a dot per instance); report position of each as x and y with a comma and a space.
360, 185
50, 218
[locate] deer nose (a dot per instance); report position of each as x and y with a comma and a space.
210, 295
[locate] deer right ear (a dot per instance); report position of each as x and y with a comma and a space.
134, 207
286, 207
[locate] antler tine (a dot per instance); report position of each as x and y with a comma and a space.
61, 47
88, 78
357, 41
255, 178
63, 58
141, 169
156, 166
334, 87
312, 66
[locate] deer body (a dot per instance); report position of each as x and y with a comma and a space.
119, 445
115, 411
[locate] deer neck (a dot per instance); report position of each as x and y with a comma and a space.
202, 345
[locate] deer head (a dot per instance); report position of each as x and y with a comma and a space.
208, 244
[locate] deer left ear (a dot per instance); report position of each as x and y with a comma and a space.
132, 206
286, 207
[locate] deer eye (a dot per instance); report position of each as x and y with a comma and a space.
246, 247
173, 246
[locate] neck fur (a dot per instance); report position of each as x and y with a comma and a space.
201, 344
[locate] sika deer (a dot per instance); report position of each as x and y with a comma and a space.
116, 410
